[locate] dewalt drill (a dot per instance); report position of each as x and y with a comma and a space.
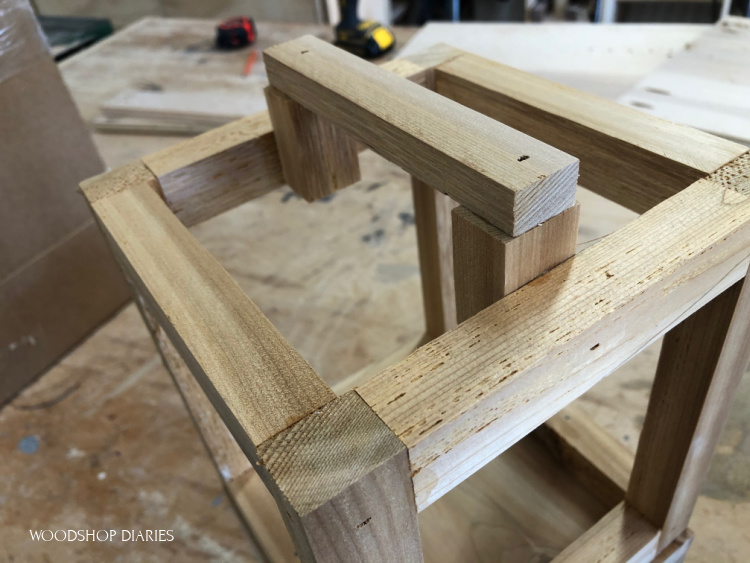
368, 39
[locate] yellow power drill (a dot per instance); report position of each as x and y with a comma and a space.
368, 39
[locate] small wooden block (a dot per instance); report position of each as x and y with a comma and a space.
317, 157
489, 264
345, 481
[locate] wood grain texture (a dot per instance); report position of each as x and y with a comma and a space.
489, 264
254, 379
117, 180
706, 86
701, 364
506, 177
316, 156
222, 168
432, 218
344, 477
623, 535
677, 550
506, 370
630, 157
242, 484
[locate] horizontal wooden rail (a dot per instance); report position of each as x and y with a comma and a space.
465, 397
628, 156
506, 177
256, 381
222, 168
623, 535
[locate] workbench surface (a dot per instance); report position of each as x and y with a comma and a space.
103, 440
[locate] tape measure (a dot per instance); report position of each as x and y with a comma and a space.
235, 33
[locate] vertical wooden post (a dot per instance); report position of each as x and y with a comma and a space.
317, 157
432, 216
489, 264
701, 364
345, 486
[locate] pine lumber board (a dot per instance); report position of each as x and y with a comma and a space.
225, 167
462, 399
345, 486
432, 218
316, 156
623, 535
627, 156
508, 178
701, 364
256, 381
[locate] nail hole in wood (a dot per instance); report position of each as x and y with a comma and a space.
523, 157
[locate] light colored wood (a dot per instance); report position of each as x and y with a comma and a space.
216, 171
489, 264
212, 108
597, 460
117, 180
316, 156
506, 177
257, 507
706, 86
539, 348
434, 243
627, 156
677, 550
623, 535
222, 168
346, 488
254, 379
261, 516
701, 364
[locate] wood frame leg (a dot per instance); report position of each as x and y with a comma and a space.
432, 218
343, 484
701, 364
316, 156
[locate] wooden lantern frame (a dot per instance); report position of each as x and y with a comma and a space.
349, 473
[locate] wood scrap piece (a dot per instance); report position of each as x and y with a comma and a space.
508, 178
316, 156
211, 108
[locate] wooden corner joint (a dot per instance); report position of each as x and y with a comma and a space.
508, 178
119, 179
342, 481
